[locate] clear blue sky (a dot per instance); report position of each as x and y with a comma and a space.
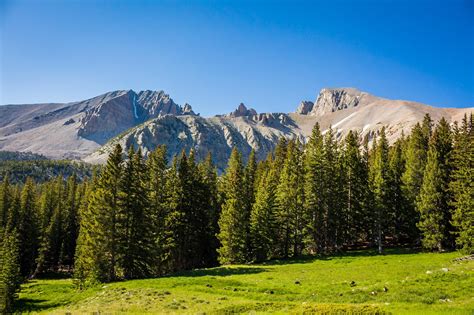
215, 54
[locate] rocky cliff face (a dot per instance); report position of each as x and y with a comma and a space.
217, 135
332, 100
242, 111
89, 129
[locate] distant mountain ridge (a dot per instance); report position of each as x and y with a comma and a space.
87, 130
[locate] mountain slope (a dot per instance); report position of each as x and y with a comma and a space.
88, 129
344, 109
74, 130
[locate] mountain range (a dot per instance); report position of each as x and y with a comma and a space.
87, 130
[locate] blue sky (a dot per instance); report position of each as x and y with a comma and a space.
215, 54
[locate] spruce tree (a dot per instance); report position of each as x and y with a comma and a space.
381, 189
416, 150
52, 231
28, 229
136, 244
5, 200
98, 245
354, 186
232, 221
157, 165
314, 181
330, 196
208, 175
249, 198
10, 276
402, 222
263, 217
442, 142
429, 204
462, 185
71, 226
290, 198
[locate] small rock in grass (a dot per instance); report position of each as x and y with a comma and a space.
445, 269
428, 272
373, 293
353, 284
385, 289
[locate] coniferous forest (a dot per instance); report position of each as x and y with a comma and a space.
140, 217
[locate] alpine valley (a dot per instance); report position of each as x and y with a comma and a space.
88, 130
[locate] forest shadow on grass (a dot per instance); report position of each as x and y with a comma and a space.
348, 254
218, 271
25, 305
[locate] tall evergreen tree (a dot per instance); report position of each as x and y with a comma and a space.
290, 198
157, 166
136, 244
249, 198
416, 150
402, 222
97, 251
462, 185
381, 188
10, 276
314, 181
355, 183
52, 232
5, 195
429, 204
209, 179
71, 224
232, 222
28, 229
263, 217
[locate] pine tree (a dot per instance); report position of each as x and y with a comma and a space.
249, 198
209, 179
97, 251
171, 259
290, 198
28, 229
263, 217
442, 142
232, 222
416, 150
402, 222
71, 226
136, 246
381, 188
314, 181
429, 204
462, 185
52, 231
329, 194
10, 276
157, 166
5, 196
354, 186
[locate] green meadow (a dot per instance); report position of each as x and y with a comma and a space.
399, 282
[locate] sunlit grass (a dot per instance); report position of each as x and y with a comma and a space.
399, 282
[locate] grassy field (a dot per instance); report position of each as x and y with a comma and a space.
415, 283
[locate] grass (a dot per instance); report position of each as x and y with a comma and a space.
416, 283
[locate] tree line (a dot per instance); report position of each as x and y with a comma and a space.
147, 217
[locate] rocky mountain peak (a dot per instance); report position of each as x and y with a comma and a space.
188, 110
305, 107
334, 99
242, 110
